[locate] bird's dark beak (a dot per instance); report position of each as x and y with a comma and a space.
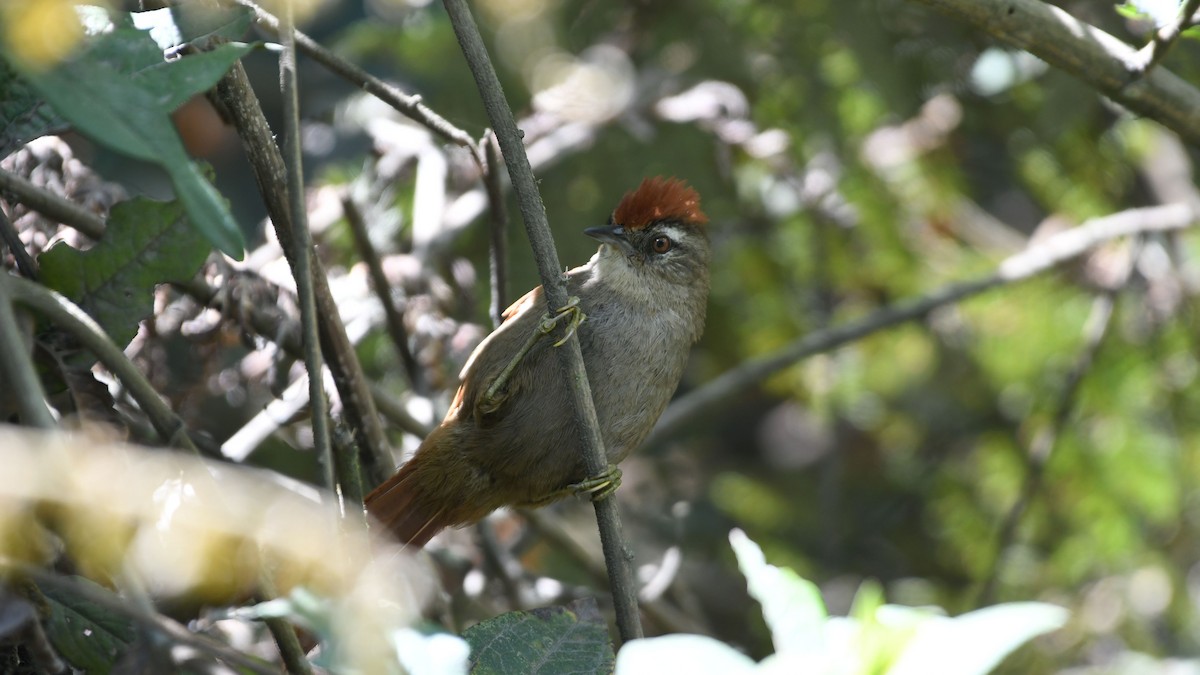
613, 236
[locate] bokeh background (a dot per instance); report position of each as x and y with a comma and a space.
1040, 441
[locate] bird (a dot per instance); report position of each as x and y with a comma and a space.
510, 436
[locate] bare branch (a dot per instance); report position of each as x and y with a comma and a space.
25, 264
74, 320
1053, 251
1099, 59
51, 205
408, 105
17, 367
1164, 37
302, 253
379, 282
237, 97
497, 227
616, 553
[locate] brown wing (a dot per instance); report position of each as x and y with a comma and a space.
523, 302
492, 356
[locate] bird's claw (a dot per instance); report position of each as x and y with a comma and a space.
571, 309
599, 487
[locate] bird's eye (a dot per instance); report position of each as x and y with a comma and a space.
661, 244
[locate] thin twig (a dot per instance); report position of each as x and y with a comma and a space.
1095, 330
25, 263
236, 97
1164, 37
1101, 60
19, 374
1053, 251
51, 205
302, 253
408, 105
497, 227
616, 552
67, 316
379, 283
284, 633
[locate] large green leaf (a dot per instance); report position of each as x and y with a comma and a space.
146, 243
550, 640
87, 634
119, 92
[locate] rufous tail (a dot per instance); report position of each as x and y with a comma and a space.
400, 504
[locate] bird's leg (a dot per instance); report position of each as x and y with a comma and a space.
494, 395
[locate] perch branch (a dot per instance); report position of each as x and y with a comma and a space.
616, 553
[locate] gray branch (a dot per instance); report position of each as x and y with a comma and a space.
616, 553
1053, 251
1090, 54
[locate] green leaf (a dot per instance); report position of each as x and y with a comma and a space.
175, 82
87, 634
975, 643
120, 93
1130, 11
146, 243
551, 640
691, 654
792, 606
24, 115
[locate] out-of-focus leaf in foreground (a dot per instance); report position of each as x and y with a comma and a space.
190, 528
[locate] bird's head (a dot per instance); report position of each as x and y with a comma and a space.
659, 229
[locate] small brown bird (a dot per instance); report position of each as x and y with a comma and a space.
510, 436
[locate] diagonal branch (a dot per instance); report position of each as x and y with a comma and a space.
51, 205
45, 302
1053, 251
533, 212
1090, 54
406, 104
238, 99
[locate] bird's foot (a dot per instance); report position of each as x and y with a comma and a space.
570, 310
599, 487
496, 392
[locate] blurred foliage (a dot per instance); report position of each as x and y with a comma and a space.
850, 155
